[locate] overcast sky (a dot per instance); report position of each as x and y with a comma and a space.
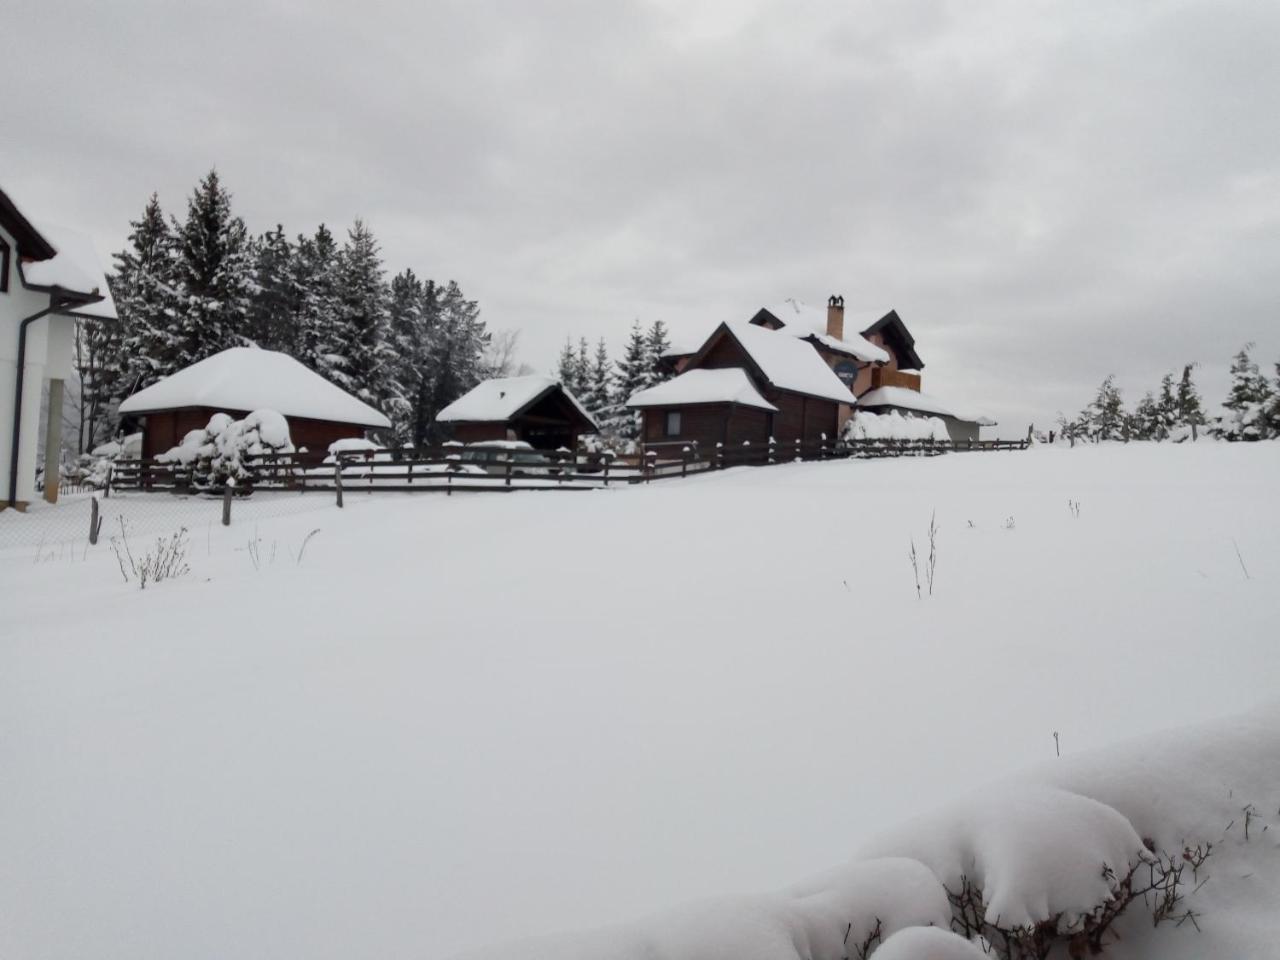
1046, 192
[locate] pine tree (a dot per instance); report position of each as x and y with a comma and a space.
272, 308
566, 368
212, 275
365, 359
1246, 402
118, 359
1189, 408
598, 397
315, 299
1107, 419
656, 344
1147, 424
456, 361
1166, 409
635, 373
581, 385
409, 344
1271, 413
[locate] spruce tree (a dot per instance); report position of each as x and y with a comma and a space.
456, 361
409, 345
1188, 405
1147, 424
212, 275
635, 373
1108, 420
365, 360
1246, 402
581, 370
313, 273
656, 344
272, 308
598, 397
144, 346
566, 368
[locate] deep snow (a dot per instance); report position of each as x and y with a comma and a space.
468, 719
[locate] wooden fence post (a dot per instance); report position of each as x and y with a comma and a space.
337, 477
650, 459
772, 449
510, 458
228, 489
684, 461
95, 521
106, 485
719, 456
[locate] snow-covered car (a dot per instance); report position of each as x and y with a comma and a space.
493, 455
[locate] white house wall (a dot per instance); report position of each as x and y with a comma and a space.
15, 305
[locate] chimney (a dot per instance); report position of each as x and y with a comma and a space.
835, 317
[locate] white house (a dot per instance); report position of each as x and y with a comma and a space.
48, 277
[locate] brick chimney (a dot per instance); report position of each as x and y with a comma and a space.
835, 317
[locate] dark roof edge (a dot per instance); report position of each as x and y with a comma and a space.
31, 243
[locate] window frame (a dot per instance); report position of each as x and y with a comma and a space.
667, 422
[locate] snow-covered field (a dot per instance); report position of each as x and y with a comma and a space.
468, 719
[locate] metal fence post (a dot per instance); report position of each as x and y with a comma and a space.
337, 477
228, 489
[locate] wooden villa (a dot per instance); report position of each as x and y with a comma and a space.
798, 376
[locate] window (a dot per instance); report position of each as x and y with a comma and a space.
4, 266
673, 423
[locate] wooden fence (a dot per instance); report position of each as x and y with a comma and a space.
449, 468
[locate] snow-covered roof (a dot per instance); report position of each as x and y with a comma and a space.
247, 378
801, 320
502, 398
76, 268
703, 385
788, 363
906, 399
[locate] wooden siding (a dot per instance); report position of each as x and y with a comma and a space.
886, 377
708, 424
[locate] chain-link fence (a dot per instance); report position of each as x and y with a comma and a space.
50, 529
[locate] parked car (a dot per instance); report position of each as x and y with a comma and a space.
493, 456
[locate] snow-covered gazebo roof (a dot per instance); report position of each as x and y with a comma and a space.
247, 378
504, 398
703, 385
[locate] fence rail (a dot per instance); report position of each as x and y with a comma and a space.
450, 468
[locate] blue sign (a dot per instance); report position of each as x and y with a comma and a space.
847, 371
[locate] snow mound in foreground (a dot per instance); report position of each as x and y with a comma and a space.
928, 943
1035, 852
1045, 853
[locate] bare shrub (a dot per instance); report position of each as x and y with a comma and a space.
166, 560
1155, 880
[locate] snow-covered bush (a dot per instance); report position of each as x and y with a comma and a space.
928, 943
222, 450
892, 426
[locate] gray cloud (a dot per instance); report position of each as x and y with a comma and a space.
1047, 192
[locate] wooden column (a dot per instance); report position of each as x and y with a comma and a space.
53, 442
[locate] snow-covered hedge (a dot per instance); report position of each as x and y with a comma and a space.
893, 426
221, 450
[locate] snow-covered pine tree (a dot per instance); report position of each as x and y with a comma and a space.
635, 373
455, 363
1166, 409
212, 275
1187, 403
581, 385
117, 359
1271, 413
598, 397
1108, 420
1147, 423
313, 273
1247, 401
409, 344
365, 361
656, 343
272, 309
566, 367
